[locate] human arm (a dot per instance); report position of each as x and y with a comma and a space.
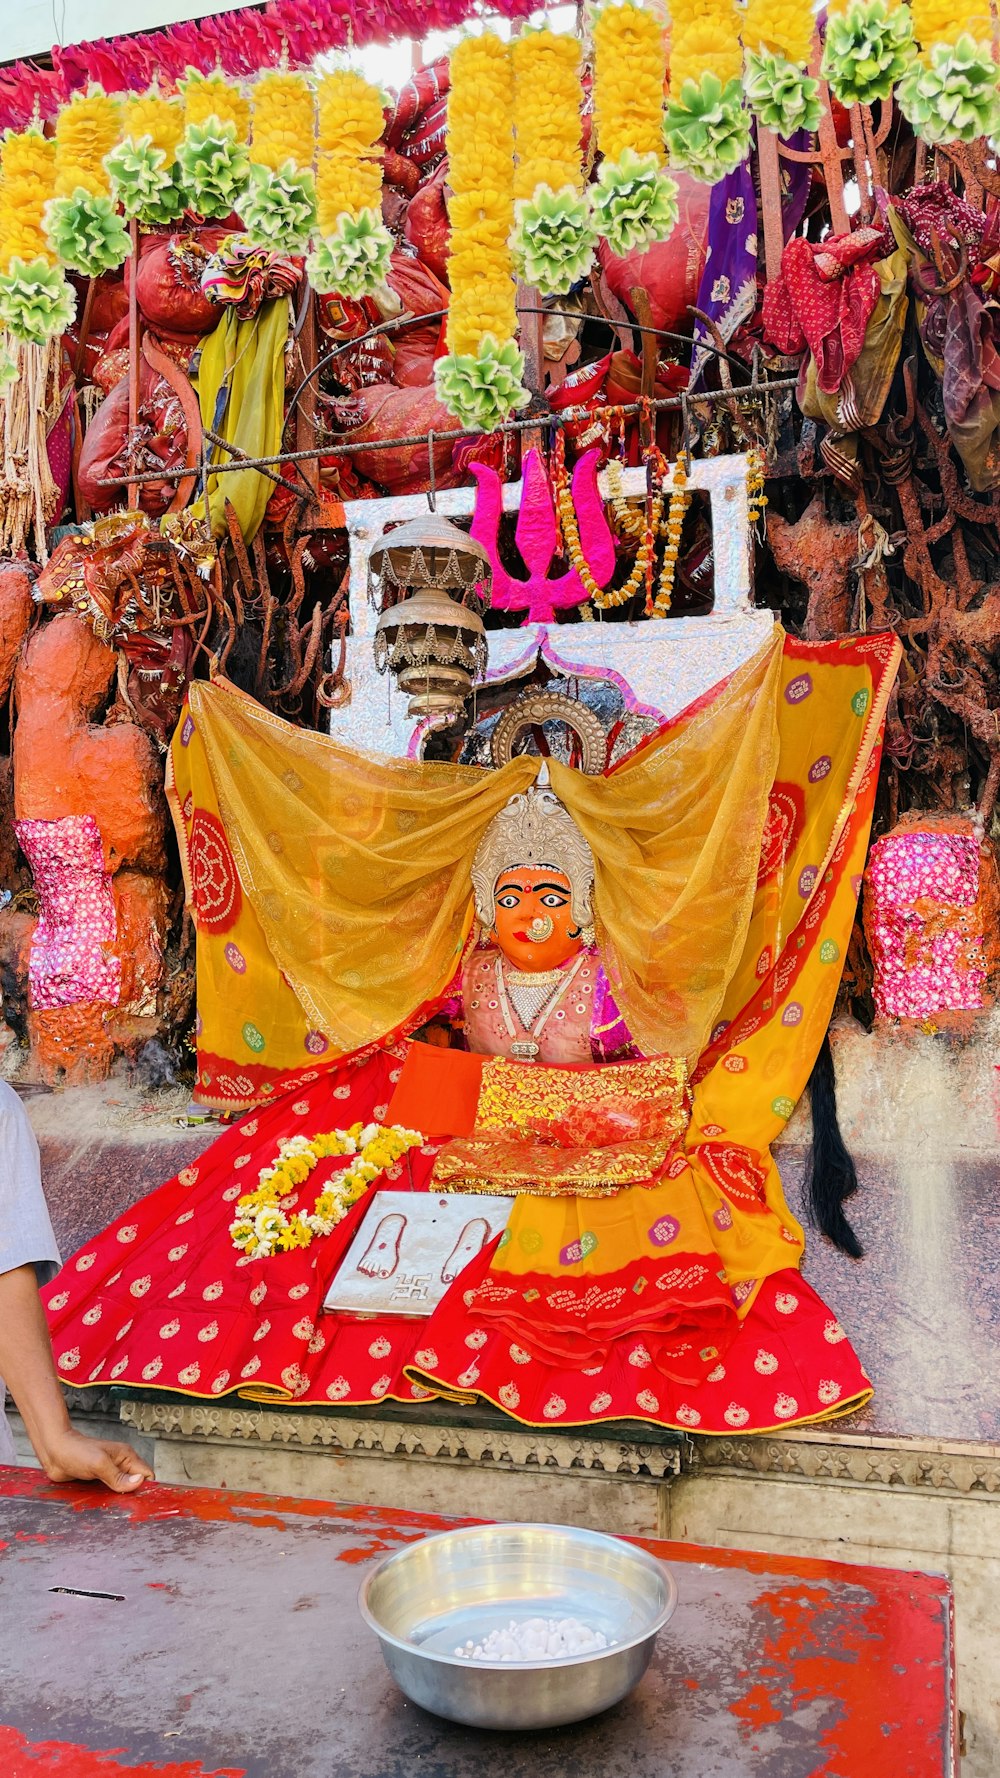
27, 1368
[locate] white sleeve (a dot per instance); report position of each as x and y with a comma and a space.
26, 1236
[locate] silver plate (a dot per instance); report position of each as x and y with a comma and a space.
424, 1601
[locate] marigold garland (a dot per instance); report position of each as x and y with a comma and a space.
86, 130
279, 206
777, 39
35, 300
82, 222
949, 92
634, 199
480, 380
707, 127
553, 237
213, 161
27, 182
212, 95
264, 1224
352, 246
143, 165
680, 500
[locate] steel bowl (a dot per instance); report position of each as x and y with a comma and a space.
426, 1600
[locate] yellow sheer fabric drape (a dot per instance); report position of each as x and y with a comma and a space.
676, 836
356, 865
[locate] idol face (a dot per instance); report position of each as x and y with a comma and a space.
533, 918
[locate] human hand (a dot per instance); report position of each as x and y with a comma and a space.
72, 1457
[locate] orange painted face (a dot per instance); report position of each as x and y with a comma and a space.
534, 920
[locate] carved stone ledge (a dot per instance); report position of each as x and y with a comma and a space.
928, 1467
514, 1448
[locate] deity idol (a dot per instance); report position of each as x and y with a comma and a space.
534, 989
614, 1045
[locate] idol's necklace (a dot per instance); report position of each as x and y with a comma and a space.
532, 1013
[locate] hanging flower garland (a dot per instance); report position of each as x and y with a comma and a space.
777, 40
707, 127
680, 500
949, 92
212, 155
142, 167
481, 379
553, 237
35, 300
263, 1225
868, 48
84, 228
279, 205
634, 199
352, 248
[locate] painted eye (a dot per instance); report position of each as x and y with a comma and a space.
553, 901
510, 900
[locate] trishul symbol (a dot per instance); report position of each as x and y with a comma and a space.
537, 538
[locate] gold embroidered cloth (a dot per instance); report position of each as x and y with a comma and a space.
586, 1132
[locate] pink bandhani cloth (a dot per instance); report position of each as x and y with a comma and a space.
70, 963
823, 298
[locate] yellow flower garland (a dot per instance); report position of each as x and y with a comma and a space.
634, 200
629, 68
480, 380
27, 182
782, 26
162, 120
86, 130
481, 175
283, 110
707, 41
213, 95
553, 237
348, 165
279, 206
352, 247
36, 302
263, 1225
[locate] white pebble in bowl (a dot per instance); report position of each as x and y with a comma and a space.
536, 1639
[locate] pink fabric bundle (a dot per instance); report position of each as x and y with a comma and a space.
69, 963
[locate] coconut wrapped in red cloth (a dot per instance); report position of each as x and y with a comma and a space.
421, 292
102, 476
383, 412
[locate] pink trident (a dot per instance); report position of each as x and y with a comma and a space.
537, 537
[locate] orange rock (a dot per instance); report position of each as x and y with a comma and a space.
16, 608
69, 1044
66, 764
141, 905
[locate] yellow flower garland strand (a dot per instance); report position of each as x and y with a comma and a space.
352, 246
162, 120
279, 206
86, 130
36, 302
27, 182
212, 95
553, 238
480, 380
263, 1225
634, 200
